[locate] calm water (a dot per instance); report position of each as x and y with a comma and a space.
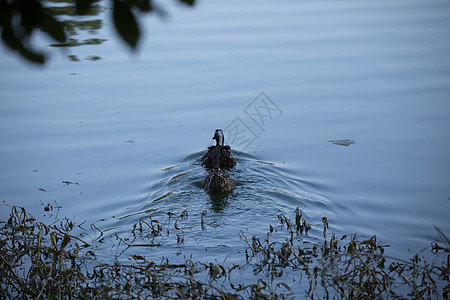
127, 130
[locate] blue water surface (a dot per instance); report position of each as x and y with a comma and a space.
105, 139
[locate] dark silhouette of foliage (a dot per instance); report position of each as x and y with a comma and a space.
20, 19
39, 261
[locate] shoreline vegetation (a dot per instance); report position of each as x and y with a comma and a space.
39, 261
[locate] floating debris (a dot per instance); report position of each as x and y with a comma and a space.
345, 142
265, 163
69, 182
93, 58
48, 207
42, 189
73, 58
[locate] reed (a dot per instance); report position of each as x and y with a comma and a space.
49, 261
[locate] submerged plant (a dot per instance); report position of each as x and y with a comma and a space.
49, 261
36, 259
350, 268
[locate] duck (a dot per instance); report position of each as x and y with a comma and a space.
217, 181
227, 159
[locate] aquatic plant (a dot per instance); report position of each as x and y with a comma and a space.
50, 261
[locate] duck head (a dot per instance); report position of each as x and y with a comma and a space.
218, 136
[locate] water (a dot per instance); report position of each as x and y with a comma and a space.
129, 128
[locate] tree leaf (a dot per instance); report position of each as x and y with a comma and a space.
54, 28
188, 2
125, 23
82, 6
11, 41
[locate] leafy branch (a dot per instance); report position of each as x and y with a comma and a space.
21, 19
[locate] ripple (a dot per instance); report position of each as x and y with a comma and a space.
263, 191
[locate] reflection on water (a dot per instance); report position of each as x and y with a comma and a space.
91, 24
74, 42
69, 9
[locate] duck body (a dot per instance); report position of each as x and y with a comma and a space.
226, 160
217, 181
